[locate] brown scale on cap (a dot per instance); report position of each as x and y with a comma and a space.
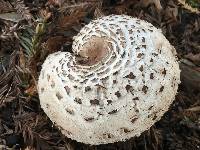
94, 102
59, 96
130, 76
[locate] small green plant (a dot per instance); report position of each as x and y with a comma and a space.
194, 3
30, 40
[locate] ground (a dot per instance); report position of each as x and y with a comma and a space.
30, 30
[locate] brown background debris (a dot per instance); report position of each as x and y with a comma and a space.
23, 49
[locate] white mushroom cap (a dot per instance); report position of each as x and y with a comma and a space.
123, 80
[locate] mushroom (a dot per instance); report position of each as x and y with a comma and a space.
120, 79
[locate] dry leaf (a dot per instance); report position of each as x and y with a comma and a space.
4, 147
31, 90
23, 10
146, 3
188, 7
98, 13
54, 43
55, 2
197, 108
22, 61
171, 11
29, 148
190, 77
14, 17
5, 7
195, 58
44, 13
67, 22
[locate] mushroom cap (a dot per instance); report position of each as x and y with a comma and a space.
121, 78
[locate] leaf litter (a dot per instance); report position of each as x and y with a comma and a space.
47, 26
